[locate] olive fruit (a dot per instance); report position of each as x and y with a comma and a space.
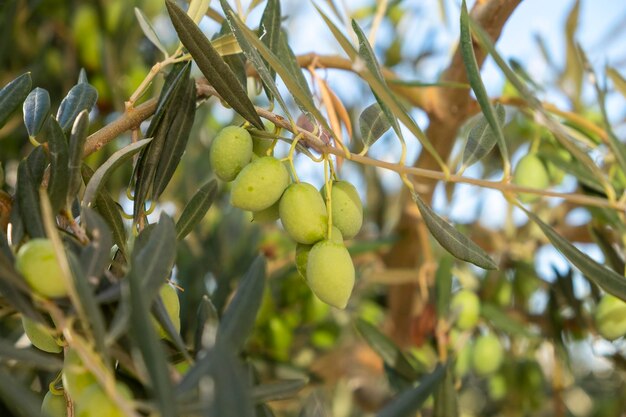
260, 184
96, 403
465, 305
40, 336
231, 150
302, 251
38, 263
76, 378
531, 172
268, 215
347, 209
610, 317
303, 213
280, 338
330, 273
172, 306
54, 405
487, 354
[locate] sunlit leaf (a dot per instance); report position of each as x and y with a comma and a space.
451, 239
373, 124
482, 138
12, 95
149, 31
36, 110
195, 209
212, 65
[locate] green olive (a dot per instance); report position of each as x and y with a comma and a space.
40, 336
96, 403
531, 172
610, 317
260, 184
54, 405
76, 378
230, 152
465, 305
330, 273
303, 213
302, 251
172, 306
37, 262
487, 355
268, 215
281, 338
347, 208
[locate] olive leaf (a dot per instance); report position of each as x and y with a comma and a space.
59, 156
19, 399
411, 400
269, 28
451, 239
148, 30
36, 110
482, 138
28, 201
12, 95
473, 75
29, 356
599, 274
195, 209
373, 123
78, 136
278, 390
446, 402
213, 67
81, 97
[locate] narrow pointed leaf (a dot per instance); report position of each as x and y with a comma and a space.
197, 9
29, 356
446, 398
302, 98
226, 45
236, 62
161, 315
279, 390
78, 136
207, 321
96, 256
599, 274
286, 56
176, 139
239, 316
12, 95
149, 31
503, 322
373, 124
269, 28
81, 97
232, 389
212, 65
451, 239
28, 200
391, 355
195, 209
618, 81
237, 26
109, 210
143, 331
411, 400
482, 138
59, 156
104, 171
443, 285
36, 110
473, 75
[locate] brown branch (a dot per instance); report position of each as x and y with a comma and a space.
450, 108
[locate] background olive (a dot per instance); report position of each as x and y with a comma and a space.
76, 378
303, 213
302, 251
37, 262
231, 150
260, 184
172, 306
96, 403
531, 172
610, 317
465, 306
487, 354
54, 405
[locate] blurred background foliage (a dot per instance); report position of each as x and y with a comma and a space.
556, 364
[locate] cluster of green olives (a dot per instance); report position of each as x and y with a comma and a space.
261, 184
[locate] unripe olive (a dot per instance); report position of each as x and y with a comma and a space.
610, 317
330, 273
302, 251
38, 263
555, 173
281, 338
76, 378
231, 150
487, 354
40, 336
268, 215
172, 306
465, 305
347, 208
463, 360
96, 403
496, 386
260, 184
531, 172
54, 405
303, 213
261, 145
